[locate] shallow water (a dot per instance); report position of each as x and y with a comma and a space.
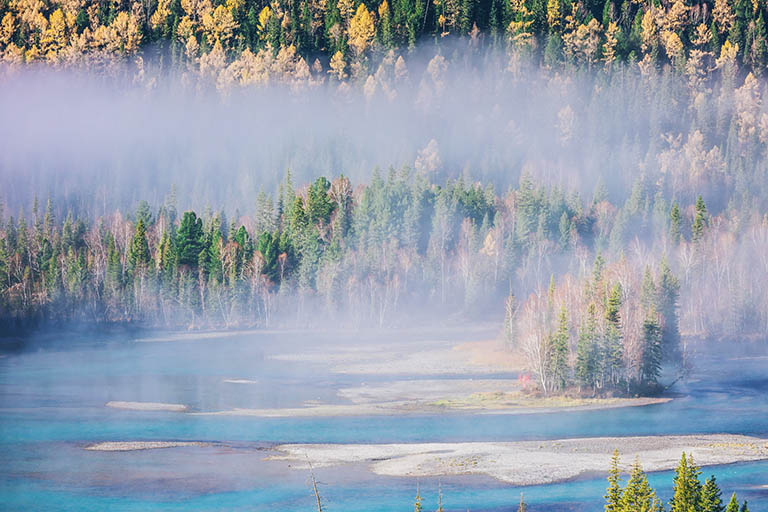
52, 401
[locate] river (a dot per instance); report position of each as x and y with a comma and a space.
52, 405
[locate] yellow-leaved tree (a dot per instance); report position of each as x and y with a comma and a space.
220, 25
554, 14
361, 30
7, 28
338, 66
264, 16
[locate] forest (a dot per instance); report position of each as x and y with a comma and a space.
247, 41
609, 206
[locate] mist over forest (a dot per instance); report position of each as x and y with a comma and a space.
135, 136
364, 210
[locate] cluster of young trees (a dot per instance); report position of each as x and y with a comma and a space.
341, 35
689, 494
610, 331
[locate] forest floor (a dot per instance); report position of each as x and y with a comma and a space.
527, 462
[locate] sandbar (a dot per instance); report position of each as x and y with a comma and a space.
127, 446
528, 462
147, 406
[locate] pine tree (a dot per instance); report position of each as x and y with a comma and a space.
668, 294
114, 275
319, 205
138, 254
711, 497
560, 343
675, 224
733, 505
699, 221
189, 240
613, 495
639, 496
613, 349
687, 487
586, 350
651, 363
649, 292
597, 271
417, 503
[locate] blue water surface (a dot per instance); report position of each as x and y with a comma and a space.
52, 398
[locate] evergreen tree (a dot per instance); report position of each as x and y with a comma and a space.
638, 495
560, 343
699, 221
613, 349
711, 497
649, 297
614, 494
114, 274
319, 206
138, 254
189, 240
651, 362
668, 294
687, 487
733, 505
675, 224
586, 350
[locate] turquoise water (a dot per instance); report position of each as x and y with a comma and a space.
52, 405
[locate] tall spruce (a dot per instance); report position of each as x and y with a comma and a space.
587, 363
650, 368
639, 496
668, 296
686, 492
675, 224
560, 344
614, 493
711, 497
699, 221
189, 240
138, 255
733, 504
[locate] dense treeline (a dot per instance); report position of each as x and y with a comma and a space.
343, 37
688, 493
367, 254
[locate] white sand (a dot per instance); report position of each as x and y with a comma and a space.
147, 406
127, 446
529, 462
